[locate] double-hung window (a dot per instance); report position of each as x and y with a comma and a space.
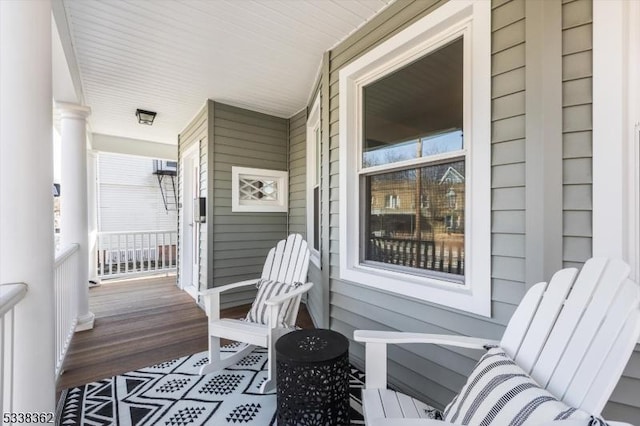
415, 161
313, 181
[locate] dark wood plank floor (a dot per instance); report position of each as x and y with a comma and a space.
139, 323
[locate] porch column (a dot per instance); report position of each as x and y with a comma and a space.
74, 212
26, 200
92, 164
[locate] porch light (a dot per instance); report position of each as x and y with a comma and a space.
145, 117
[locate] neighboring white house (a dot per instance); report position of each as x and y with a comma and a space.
129, 196
136, 208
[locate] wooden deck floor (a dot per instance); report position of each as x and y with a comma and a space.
139, 323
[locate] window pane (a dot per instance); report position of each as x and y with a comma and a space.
416, 111
316, 218
416, 217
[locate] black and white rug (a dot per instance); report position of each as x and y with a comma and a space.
174, 393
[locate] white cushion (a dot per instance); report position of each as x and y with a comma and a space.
499, 392
266, 290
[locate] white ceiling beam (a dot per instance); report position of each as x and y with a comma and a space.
137, 147
66, 74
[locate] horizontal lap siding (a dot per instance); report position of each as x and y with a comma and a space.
314, 297
435, 374
205, 161
507, 156
625, 403
298, 173
240, 241
195, 131
432, 373
298, 202
577, 125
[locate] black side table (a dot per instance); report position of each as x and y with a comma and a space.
313, 378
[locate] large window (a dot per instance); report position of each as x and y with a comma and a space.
415, 161
416, 113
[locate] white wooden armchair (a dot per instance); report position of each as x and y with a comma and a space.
573, 336
287, 262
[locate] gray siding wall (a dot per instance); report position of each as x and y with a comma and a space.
240, 241
315, 296
577, 32
624, 403
298, 173
298, 204
432, 373
298, 207
508, 155
196, 132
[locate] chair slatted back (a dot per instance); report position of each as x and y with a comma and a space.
288, 262
575, 335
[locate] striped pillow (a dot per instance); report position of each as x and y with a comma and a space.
266, 290
498, 392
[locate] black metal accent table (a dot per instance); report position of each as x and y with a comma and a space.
313, 378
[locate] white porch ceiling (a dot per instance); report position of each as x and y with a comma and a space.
169, 56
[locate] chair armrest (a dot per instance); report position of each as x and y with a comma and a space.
376, 349
399, 337
227, 287
211, 296
281, 298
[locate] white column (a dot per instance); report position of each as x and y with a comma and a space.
26, 201
92, 159
74, 213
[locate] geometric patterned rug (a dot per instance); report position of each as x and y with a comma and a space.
174, 393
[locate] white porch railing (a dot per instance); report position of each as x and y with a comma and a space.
133, 253
66, 282
10, 295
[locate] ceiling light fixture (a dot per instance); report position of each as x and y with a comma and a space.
145, 117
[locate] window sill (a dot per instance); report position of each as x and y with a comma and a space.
454, 295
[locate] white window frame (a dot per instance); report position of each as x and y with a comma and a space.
616, 129
442, 25
616, 132
281, 204
313, 180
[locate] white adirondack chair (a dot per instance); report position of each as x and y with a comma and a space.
573, 336
287, 262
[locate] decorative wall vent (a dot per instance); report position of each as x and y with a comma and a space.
259, 190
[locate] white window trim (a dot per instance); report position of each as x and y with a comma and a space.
616, 128
279, 205
313, 123
616, 122
410, 44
